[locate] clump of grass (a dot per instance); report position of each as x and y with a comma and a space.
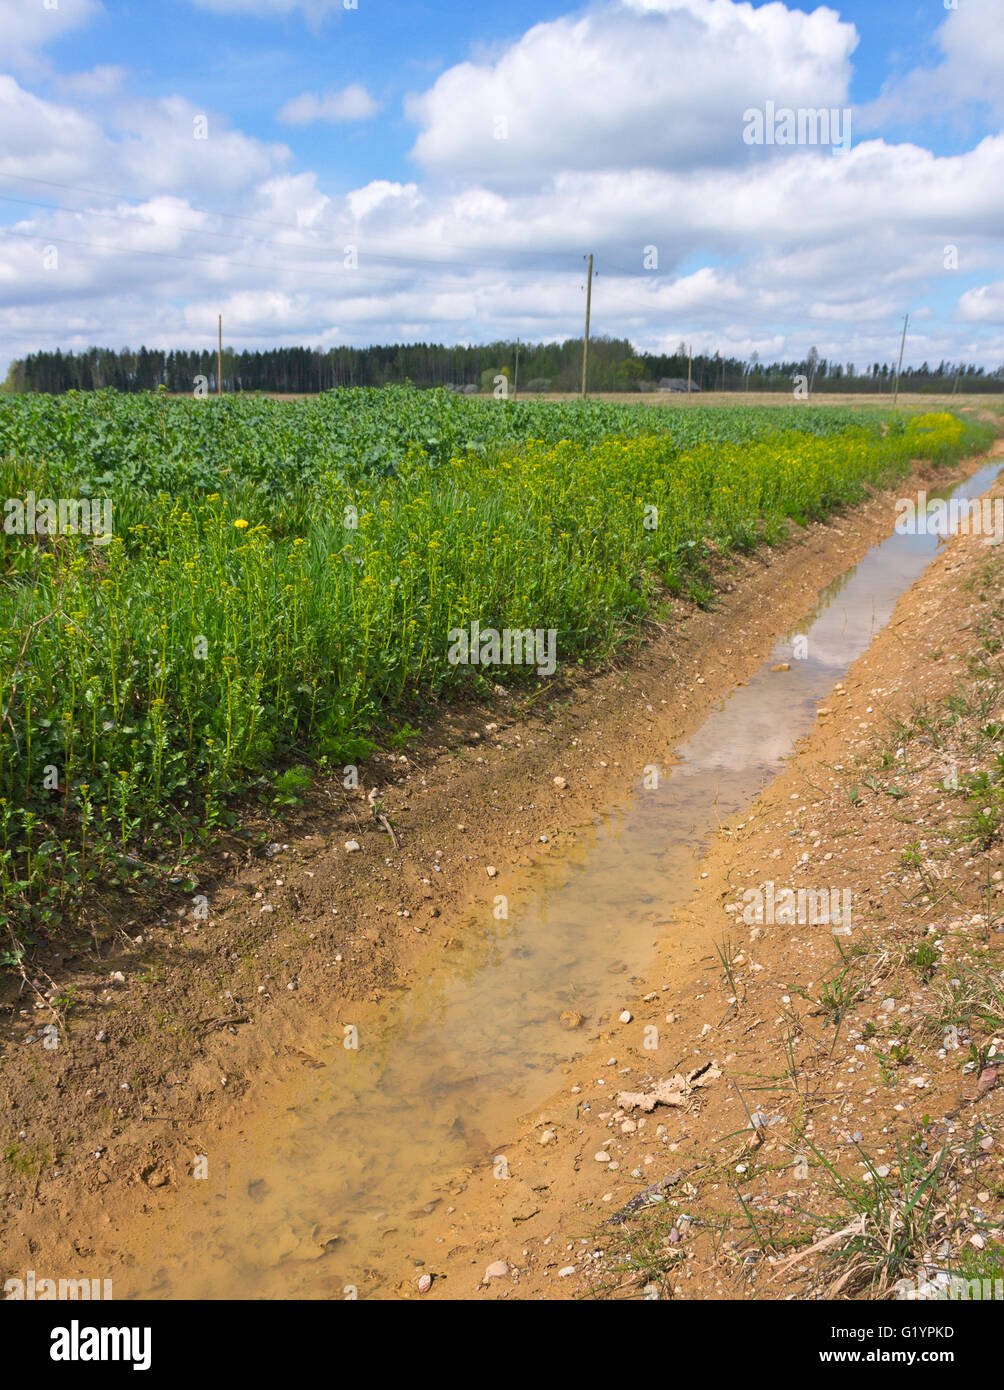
886, 1222
974, 994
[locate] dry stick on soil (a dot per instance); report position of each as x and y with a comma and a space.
856, 1228
207, 1023
385, 823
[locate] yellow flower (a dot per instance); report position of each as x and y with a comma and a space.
241, 524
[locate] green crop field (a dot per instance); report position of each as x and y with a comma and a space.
282, 576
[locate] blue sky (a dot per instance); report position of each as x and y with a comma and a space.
250, 68
468, 154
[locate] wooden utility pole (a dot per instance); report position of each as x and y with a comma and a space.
219, 359
690, 369
895, 395
585, 341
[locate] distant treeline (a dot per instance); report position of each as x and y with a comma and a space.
614, 365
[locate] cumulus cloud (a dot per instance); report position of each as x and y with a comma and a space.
985, 304
172, 144
27, 25
45, 139
638, 84
100, 81
970, 70
352, 103
142, 146
972, 40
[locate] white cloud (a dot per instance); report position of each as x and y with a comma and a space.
157, 146
630, 85
972, 41
100, 81
352, 103
984, 304
381, 194
141, 146
26, 25
45, 139
291, 199
971, 70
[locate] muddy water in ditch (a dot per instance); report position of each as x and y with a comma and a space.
326, 1186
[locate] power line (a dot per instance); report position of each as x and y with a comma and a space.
261, 221
367, 241
261, 241
172, 255
298, 267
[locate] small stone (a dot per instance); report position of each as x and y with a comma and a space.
602, 1156
548, 1137
560, 783
351, 846
987, 1081
564, 1273
497, 1270
625, 1016
491, 871
425, 1283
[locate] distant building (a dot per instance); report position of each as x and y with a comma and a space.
677, 383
